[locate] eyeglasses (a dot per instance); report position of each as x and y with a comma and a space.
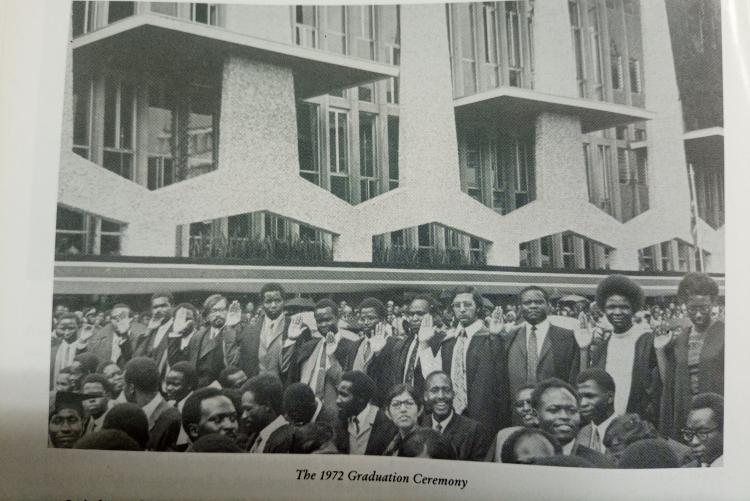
699, 308
409, 404
688, 434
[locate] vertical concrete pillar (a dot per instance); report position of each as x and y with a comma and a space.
669, 192
624, 259
560, 167
258, 123
553, 44
67, 124
149, 238
428, 156
352, 247
503, 252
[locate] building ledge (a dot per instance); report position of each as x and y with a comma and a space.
636, 145
704, 133
516, 106
133, 275
158, 42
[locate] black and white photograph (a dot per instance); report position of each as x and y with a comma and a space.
487, 231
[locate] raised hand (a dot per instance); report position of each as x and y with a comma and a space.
154, 323
296, 327
378, 338
426, 329
85, 333
234, 315
584, 334
497, 321
181, 323
663, 335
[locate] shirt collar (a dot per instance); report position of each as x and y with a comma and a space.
602, 427
568, 448
471, 329
541, 328
150, 407
367, 416
444, 423
272, 427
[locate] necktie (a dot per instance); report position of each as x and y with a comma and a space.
321, 382
355, 420
532, 358
439, 427
367, 351
595, 442
409, 375
256, 445
458, 373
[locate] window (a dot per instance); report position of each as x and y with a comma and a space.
499, 183
392, 89
391, 39
305, 31
308, 233
167, 8
119, 116
524, 250
546, 252
364, 30
336, 29
393, 131
568, 252
307, 141
513, 41
82, 92
338, 153
204, 13
575, 25
489, 38
397, 239
81, 233
623, 166
120, 10
666, 256
635, 76
368, 171
366, 93
84, 15
617, 79
523, 169
199, 138
425, 243
632, 7
473, 170
465, 26
595, 41
646, 259
161, 137
530, 33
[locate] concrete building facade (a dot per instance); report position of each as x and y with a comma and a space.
529, 134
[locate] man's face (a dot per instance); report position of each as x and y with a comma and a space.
217, 416
326, 320
76, 376
533, 306
464, 308
217, 315
699, 311
67, 329
523, 409
96, 402
273, 304
65, 428
161, 308
90, 317
369, 318
707, 440
558, 414
417, 310
175, 385
619, 312
595, 402
348, 404
60, 310
255, 416
237, 379
438, 396
114, 374
62, 383
532, 447
118, 316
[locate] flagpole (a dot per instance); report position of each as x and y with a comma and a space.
694, 215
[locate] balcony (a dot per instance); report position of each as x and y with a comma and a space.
517, 108
154, 43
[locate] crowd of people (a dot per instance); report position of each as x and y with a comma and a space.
611, 383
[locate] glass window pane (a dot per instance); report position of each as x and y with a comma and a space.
81, 109
393, 148
79, 18
168, 8
307, 137
200, 133
367, 131
389, 20
110, 112
336, 35
126, 115
340, 187
68, 219
120, 10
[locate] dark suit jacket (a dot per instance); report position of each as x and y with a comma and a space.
206, 354
677, 392
645, 386
248, 338
597, 459
468, 437
100, 343
381, 435
144, 345
559, 357
166, 428
344, 354
486, 379
280, 441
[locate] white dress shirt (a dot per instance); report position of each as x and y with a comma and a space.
150, 408
443, 424
427, 361
358, 437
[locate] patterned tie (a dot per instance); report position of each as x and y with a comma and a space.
458, 373
532, 357
439, 427
320, 384
355, 420
409, 376
367, 351
595, 442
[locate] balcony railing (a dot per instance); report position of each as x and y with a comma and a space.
426, 256
265, 249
